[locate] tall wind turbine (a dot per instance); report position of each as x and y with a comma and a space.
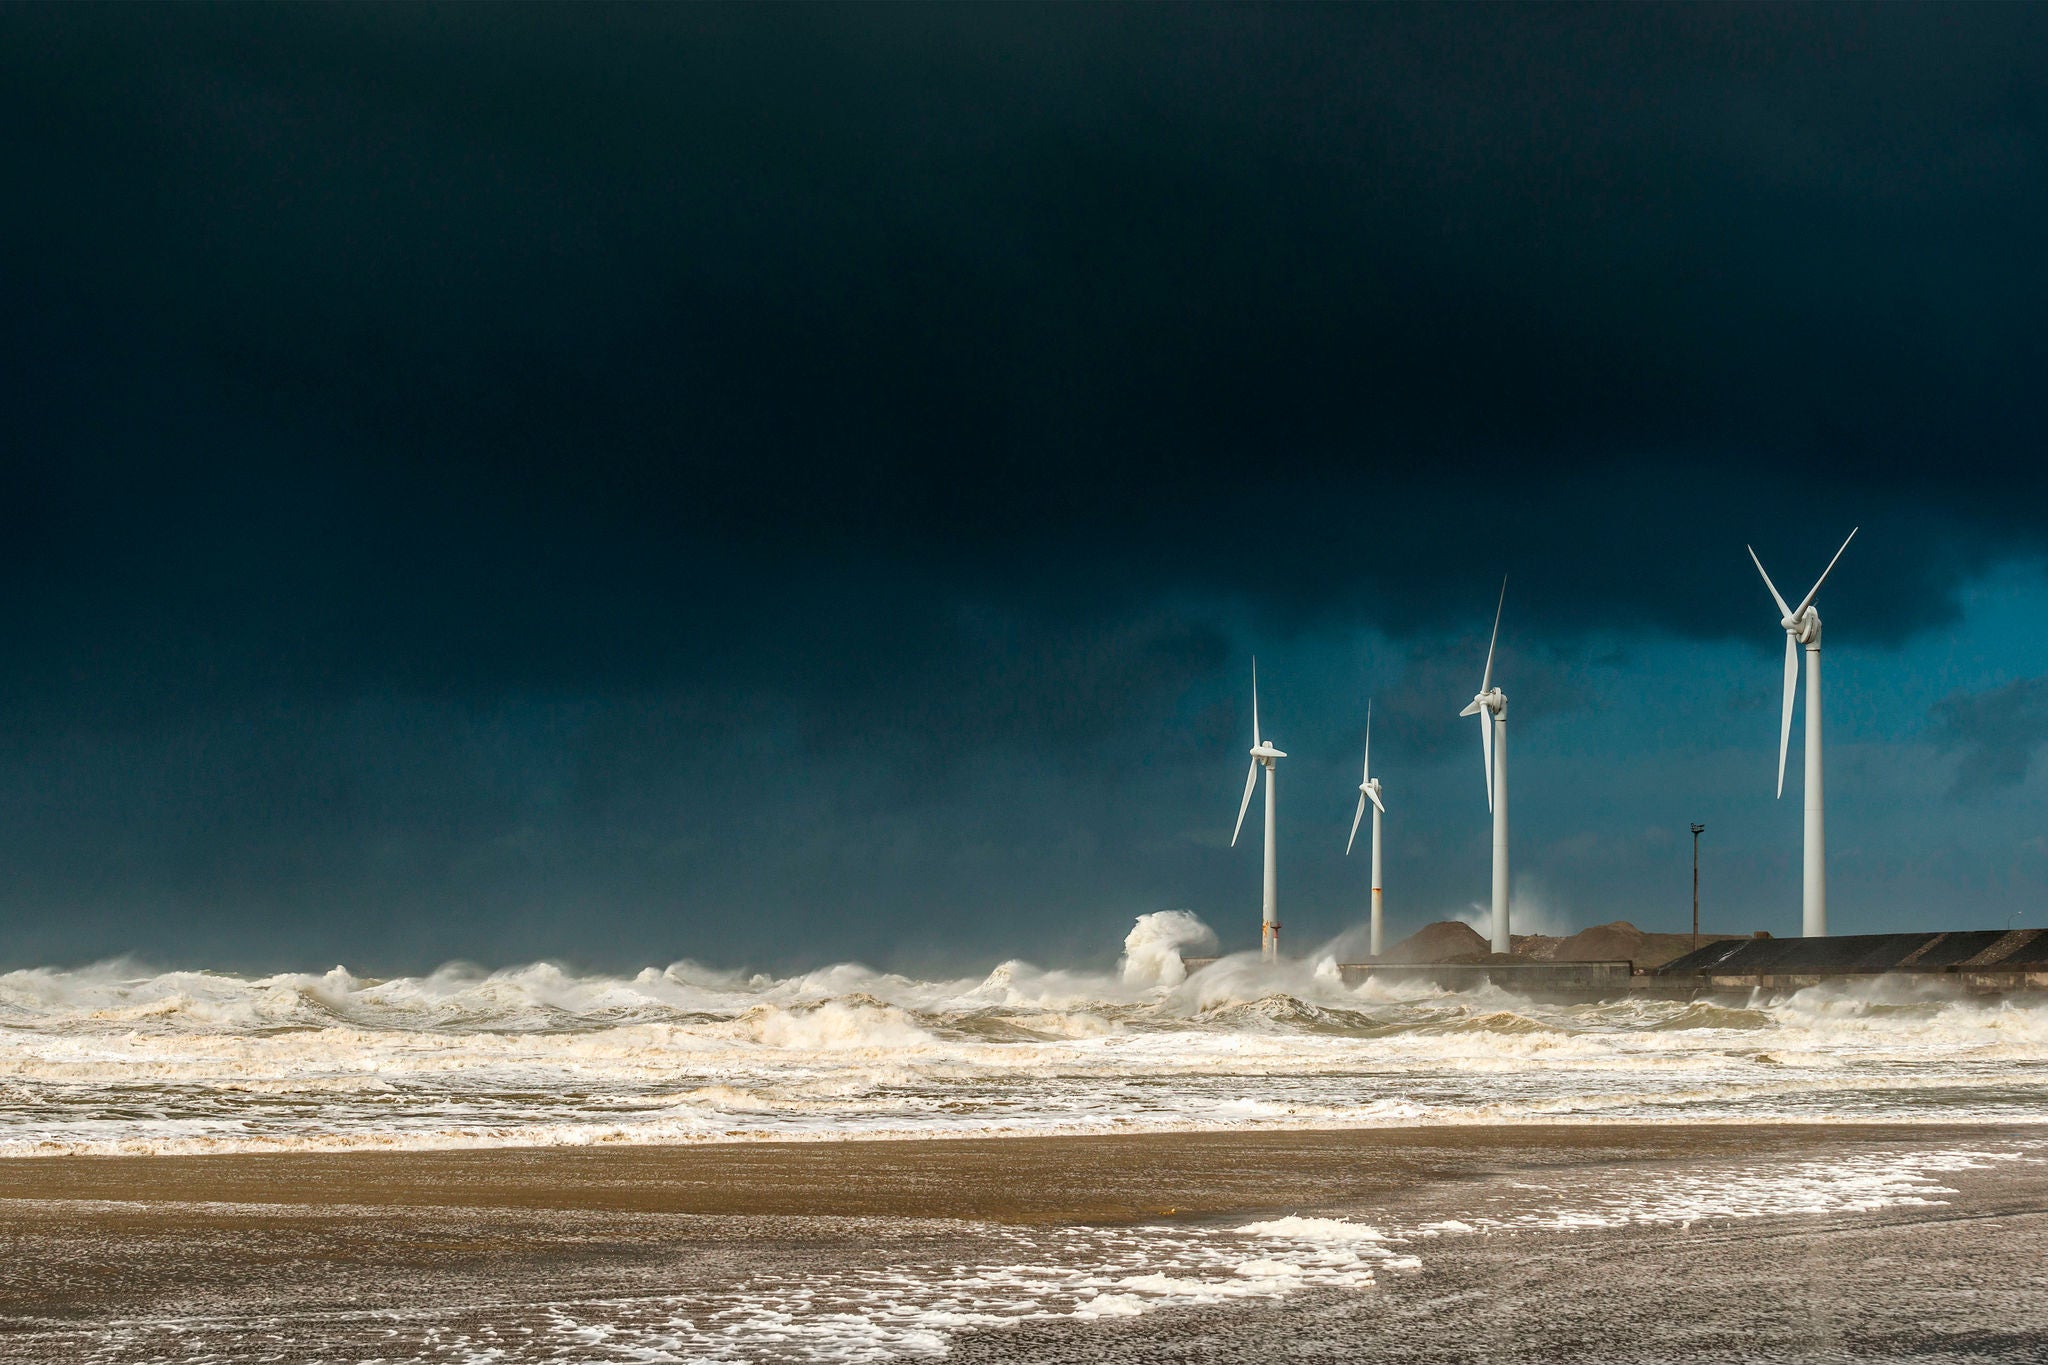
1491, 706
1802, 628
1266, 756
1369, 790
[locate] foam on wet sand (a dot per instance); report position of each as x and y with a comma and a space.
870, 1251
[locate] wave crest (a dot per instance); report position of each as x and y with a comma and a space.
118, 1058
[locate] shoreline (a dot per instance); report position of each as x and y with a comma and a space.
1084, 1178
626, 1140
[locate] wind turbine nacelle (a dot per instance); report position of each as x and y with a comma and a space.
1493, 699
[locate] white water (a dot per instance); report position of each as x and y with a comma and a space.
110, 1059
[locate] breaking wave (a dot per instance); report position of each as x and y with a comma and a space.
113, 1058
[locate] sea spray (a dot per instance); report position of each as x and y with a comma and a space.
119, 1058
1152, 950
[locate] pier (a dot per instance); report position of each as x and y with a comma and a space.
1978, 961
1973, 962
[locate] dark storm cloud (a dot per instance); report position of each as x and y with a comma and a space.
1996, 733
890, 385
1060, 304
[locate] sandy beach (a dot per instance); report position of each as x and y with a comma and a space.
1707, 1240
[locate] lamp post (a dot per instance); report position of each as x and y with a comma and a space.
1697, 830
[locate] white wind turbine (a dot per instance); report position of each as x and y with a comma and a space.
1802, 628
1369, 790
1491, 706
1263, 755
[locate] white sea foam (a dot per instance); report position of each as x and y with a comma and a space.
1152, 950
1316, 1230
118, 1059
1856, 1183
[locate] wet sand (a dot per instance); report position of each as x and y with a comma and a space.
1965, 1282
431, 1256
1011, 1180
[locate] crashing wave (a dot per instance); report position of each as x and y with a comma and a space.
118, 1058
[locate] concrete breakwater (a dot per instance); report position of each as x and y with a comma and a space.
1525, 978
1547, 980
1978, 962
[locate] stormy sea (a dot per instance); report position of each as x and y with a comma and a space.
689, 1164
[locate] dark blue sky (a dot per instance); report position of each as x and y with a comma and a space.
778, 484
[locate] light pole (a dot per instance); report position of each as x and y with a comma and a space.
1697, 831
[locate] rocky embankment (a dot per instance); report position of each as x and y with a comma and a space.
1451, 941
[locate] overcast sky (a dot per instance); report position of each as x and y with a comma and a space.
771, 485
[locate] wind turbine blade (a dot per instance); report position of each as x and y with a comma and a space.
1825, 572
1471, 708
1251, 780
1255, 705
1486, 678
1486, 743
1784, 611
1381, 805
1366, 776
1354, 825
1791, 686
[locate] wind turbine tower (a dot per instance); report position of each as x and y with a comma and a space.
1369, 790
1264, 755
1491, 706
1802, 630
